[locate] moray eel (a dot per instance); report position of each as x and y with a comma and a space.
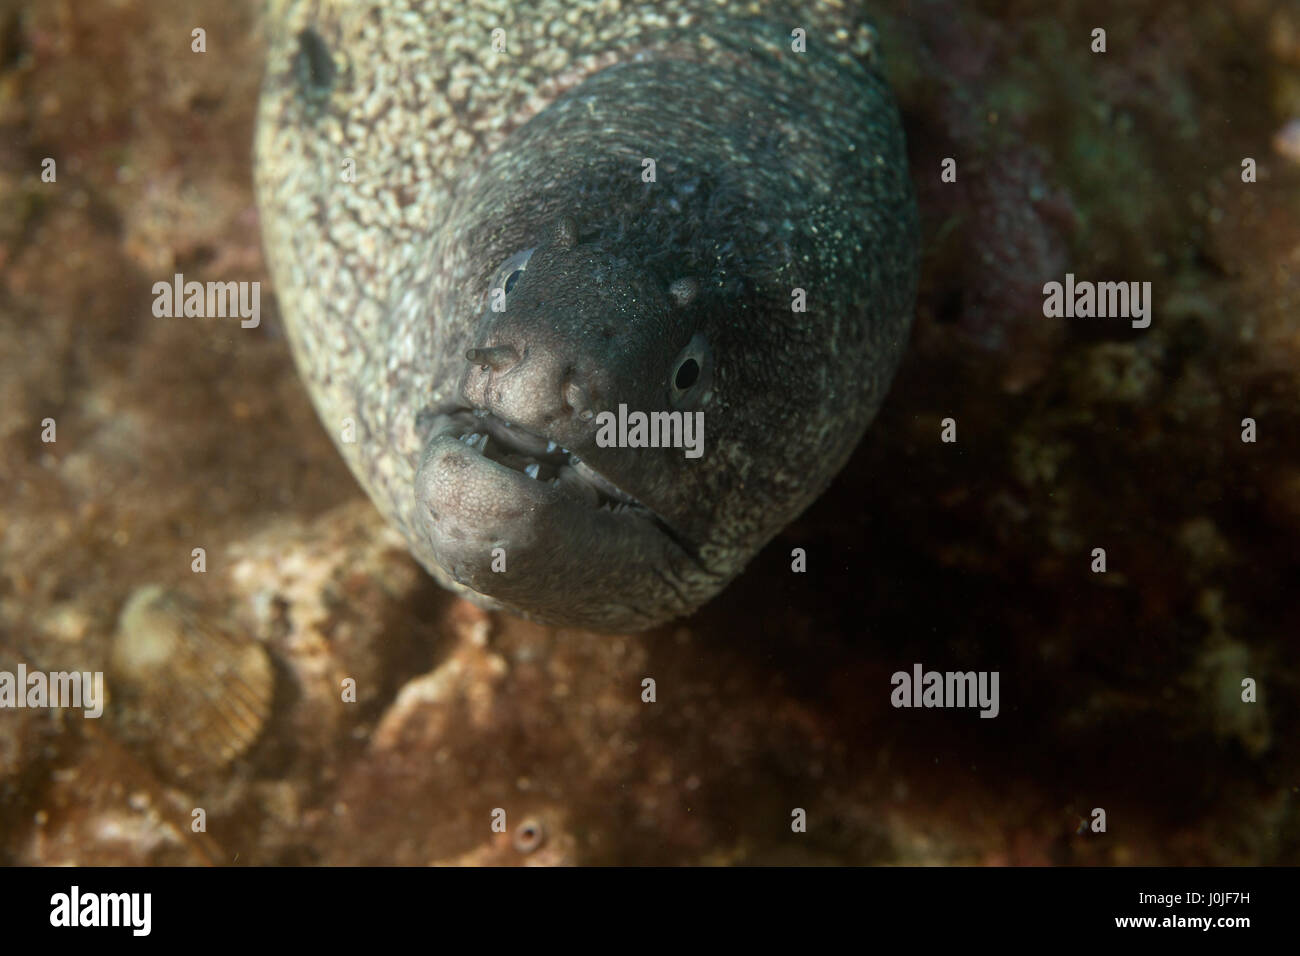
490, 222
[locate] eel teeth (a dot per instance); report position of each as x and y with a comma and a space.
476, 440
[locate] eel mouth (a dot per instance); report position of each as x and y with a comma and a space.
487, 486
541, 459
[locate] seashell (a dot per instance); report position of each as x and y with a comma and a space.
529, 835
187, 688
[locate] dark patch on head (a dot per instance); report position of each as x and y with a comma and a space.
314, 66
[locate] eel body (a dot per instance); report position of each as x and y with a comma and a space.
502, 233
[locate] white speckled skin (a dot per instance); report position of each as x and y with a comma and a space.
381, 292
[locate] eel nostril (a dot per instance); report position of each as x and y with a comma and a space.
497, 357
579, 401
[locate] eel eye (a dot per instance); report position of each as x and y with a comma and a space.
688, 372
691, 375
511, 271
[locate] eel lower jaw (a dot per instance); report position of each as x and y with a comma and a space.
539, 459
485, 483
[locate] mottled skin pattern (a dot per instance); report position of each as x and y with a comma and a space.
775, 170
